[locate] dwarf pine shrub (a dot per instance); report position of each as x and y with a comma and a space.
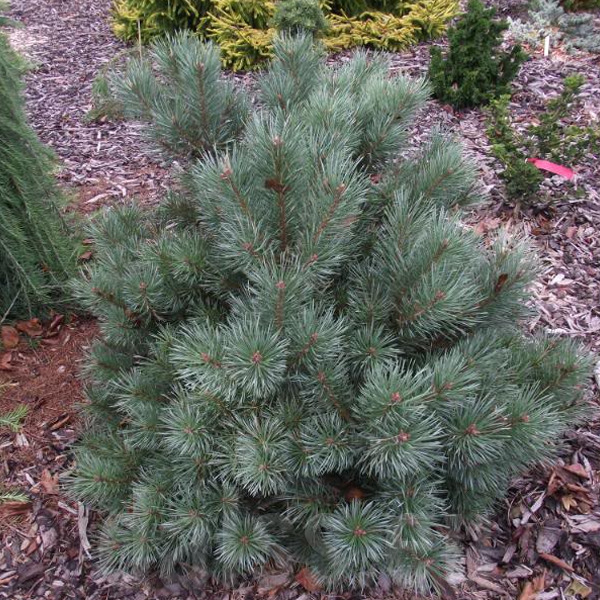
475, 69
306, 358
36, 256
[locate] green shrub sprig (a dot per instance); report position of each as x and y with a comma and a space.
37, 255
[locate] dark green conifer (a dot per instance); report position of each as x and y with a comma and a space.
306, 357
475, 69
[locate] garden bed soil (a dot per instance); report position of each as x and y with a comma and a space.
544, 543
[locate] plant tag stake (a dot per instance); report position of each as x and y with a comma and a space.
546, 165
546, 45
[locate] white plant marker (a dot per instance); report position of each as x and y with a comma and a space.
546, 45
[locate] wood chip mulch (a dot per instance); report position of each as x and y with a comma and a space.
544, 542
67, 43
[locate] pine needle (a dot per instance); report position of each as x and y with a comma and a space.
14, 419
12, 496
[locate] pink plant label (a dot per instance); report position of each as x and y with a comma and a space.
546, 165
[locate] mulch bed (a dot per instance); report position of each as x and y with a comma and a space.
544, 543
67, 44
41, 539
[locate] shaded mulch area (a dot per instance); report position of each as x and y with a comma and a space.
544, 543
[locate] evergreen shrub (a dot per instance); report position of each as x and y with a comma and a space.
36, 256
555, 138
143, 20
306, 357
475, 69
294, 16
244, 29
580, 32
